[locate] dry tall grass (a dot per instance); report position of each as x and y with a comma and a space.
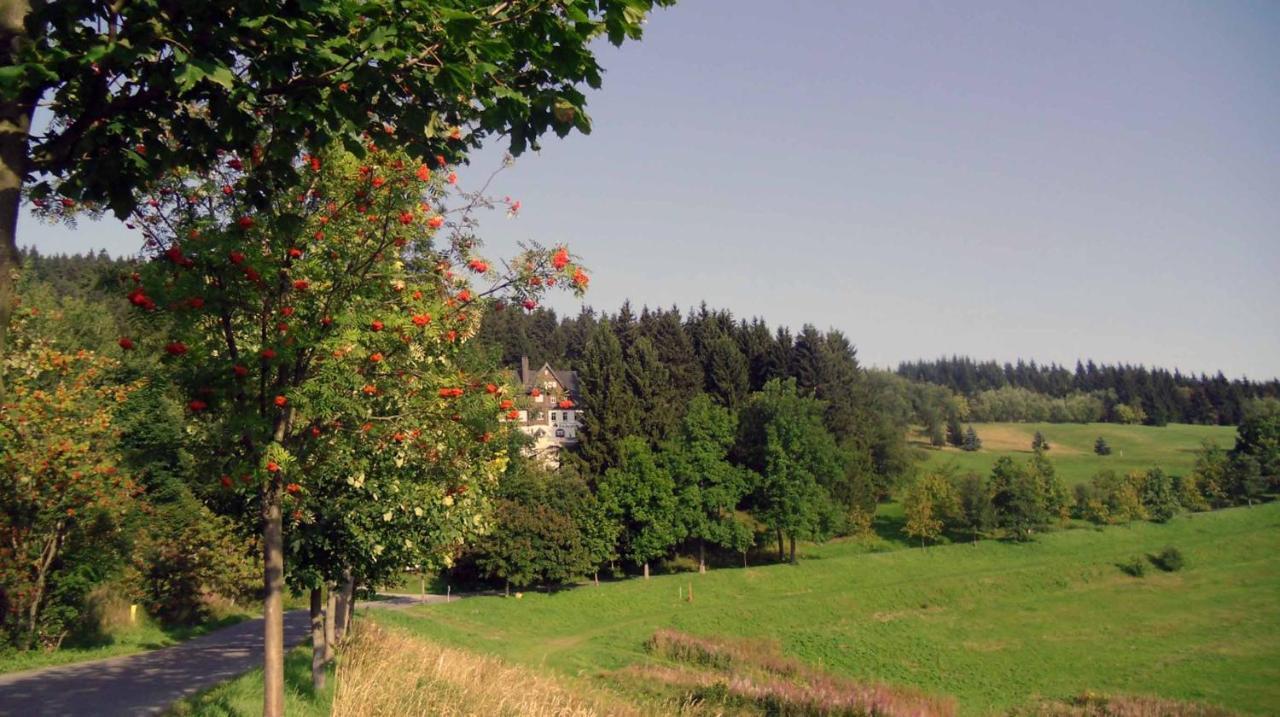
383, 673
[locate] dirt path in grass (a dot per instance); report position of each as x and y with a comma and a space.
148, 682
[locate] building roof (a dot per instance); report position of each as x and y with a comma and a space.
566, 378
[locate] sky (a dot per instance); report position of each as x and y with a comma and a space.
1050, 181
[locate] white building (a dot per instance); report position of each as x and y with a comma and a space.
552, 418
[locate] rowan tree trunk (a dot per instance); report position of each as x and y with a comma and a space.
330, 608
349, 625
273, 600
702, 557
344, 605
782, 555
646, 570
793, 549
15, 127
317, 639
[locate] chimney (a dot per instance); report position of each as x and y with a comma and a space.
524, 369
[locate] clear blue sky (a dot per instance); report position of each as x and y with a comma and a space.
1044, 180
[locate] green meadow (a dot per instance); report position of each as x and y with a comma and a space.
1170, 447
996, 625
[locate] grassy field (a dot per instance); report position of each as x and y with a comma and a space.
995, 625
1170, 447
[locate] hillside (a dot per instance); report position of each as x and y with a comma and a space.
995, 625
1170, 447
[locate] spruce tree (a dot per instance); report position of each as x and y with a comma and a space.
1038, 443
650, 384
1101, 447
726, 371
610, 411
971, 440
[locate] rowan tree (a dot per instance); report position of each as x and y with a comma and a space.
344, 305
137, 89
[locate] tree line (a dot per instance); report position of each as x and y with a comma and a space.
1121, 393
1017, 500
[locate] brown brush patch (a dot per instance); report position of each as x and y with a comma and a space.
755, 674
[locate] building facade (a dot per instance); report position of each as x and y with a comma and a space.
552, 418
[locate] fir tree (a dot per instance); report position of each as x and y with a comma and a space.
971, 441
1101, 447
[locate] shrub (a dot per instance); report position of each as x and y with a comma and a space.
1101, 447
1169, 560
1135, 566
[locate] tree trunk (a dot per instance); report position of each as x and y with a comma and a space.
793, 550
317, 640
351, 609
781, 553
47, 555
702, 557
596, 576
744, 559
15, 126
507, 590
330, 612
646, 570
344, 605
273, 600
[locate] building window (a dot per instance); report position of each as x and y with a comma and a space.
559, 433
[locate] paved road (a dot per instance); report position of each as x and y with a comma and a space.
148, 682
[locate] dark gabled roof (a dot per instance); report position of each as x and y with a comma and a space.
567, 378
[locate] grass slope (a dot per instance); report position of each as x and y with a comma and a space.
996, 625
1170, 447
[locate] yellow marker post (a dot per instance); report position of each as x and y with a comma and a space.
133, 614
